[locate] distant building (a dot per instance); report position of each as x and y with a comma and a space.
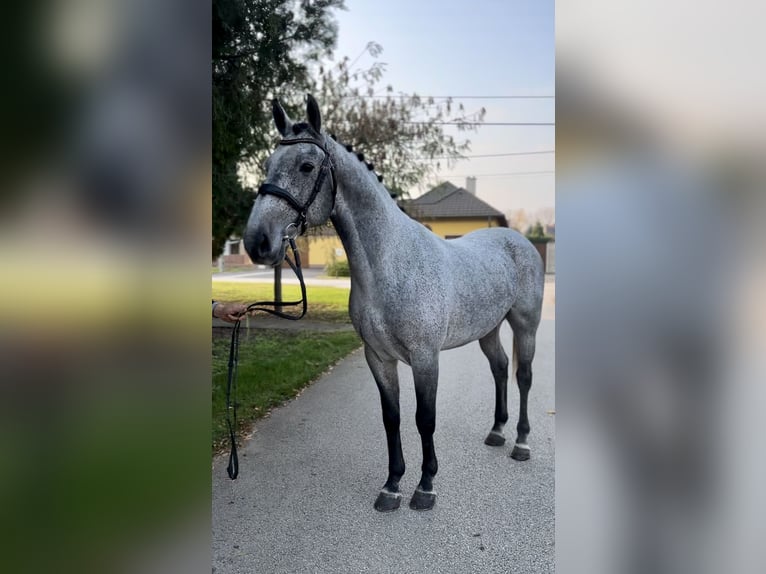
234, 252
324, 246
447, 210
450, 211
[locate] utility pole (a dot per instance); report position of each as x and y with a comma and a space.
278, 286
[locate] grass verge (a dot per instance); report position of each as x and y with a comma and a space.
274, 365
324, 303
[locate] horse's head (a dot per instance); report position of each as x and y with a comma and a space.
299, 190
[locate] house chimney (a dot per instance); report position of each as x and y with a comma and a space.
470, 185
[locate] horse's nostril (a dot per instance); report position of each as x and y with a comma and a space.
258, 245
264, 245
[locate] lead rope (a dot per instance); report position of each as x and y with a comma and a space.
231, 386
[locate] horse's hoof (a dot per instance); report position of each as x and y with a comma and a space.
520, 452
388, 501
494, 438
422, 500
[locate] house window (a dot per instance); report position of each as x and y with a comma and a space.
234, 248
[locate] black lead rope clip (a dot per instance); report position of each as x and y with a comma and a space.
231, 385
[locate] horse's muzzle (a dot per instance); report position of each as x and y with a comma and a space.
264, 248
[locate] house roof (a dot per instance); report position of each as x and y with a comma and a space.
446, 201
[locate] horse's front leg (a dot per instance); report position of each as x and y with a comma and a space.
387, 380
426, 374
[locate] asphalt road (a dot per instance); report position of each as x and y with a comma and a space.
311, 471
311, 275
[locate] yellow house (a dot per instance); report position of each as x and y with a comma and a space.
324, 245
447, 210
451, 211
317, 249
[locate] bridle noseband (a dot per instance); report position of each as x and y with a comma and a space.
324, 169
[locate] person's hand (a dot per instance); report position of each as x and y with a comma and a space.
229, 311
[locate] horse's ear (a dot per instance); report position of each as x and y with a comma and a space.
280, 117
312, 111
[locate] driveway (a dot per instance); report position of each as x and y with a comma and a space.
311, 471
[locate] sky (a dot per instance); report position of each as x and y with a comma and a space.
482, 48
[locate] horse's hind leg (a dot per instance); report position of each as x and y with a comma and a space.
387, 380
524, 327
498, 362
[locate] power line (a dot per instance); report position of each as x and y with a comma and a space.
497, 174
483, 123
489, 155
407, 97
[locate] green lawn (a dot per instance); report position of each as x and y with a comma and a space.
274, 365
324, 303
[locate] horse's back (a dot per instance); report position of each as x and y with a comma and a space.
498, 251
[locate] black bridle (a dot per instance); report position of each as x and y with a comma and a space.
324, 169
270, 307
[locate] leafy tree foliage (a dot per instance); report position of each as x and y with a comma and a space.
261, 49
536, 232
402, 134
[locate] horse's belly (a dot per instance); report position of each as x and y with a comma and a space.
476, 310
462, 331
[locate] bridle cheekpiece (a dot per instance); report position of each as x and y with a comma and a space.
302, 210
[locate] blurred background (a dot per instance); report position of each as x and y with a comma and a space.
105, 240
104, 236
660, 173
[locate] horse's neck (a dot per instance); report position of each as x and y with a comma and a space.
366, 218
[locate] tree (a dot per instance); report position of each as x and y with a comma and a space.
402, 134
536, 232
546, 215
261, 49
518, 219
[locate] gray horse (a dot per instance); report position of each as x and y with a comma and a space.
412, 293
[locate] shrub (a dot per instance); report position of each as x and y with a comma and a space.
536, 234
338, 268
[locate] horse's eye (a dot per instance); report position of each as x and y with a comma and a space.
306, 167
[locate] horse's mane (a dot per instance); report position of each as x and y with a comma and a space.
304, 128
